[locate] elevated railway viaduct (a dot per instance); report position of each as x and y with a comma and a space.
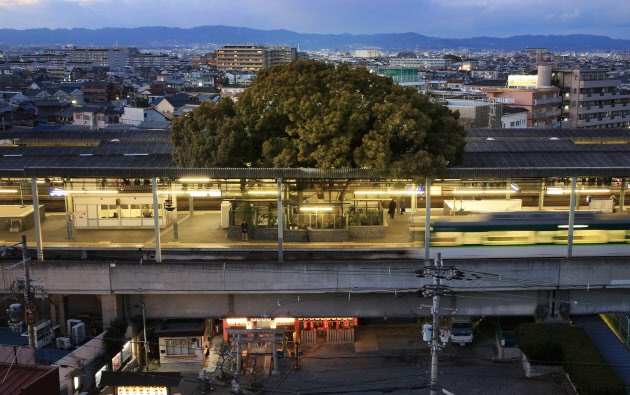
339, 277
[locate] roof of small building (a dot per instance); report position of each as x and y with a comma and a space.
181, 327
16, 377
514, 110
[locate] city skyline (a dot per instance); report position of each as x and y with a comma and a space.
452, 19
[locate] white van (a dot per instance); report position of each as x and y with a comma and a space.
461, 330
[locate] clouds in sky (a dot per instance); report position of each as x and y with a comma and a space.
437, 18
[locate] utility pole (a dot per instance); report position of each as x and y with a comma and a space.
438, 272
146, 344
30, 312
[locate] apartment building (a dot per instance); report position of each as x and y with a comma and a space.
533, 93
421, 63
114, 58
592, 100
253, 57
541, 104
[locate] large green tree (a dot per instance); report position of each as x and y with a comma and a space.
312, 114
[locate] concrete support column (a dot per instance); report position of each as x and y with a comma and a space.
280, 221
427, 221
58, 310
109, 309
274, 345
156, 222
571, 217
622, 196
38, 220
239, 352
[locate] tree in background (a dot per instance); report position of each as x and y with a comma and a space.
314, 115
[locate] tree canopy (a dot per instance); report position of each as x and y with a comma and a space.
312, 114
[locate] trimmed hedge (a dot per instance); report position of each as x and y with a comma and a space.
571, 347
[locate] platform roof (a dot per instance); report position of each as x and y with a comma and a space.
70, 151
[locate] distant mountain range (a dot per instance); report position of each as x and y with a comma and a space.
215, 36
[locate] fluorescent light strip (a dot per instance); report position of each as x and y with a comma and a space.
194, 179
93, 192
483, 192
262, 192
307, 208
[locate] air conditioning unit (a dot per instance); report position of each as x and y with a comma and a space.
78, 333
63, 343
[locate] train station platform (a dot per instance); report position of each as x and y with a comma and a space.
202, 230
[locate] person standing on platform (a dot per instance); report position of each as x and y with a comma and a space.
244, 229
392, 209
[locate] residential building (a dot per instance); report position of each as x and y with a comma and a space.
167, 105
477, 113
149, 60
201, 79
96, 117
484, 74
542, 104
533, 93
471, 113
46, 109
592, 100
513, 117
114, 58
135, 116
421, 63
367, 53
95, 91
252, 57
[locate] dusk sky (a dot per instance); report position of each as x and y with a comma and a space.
436, 18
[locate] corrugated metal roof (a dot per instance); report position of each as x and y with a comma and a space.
490, 153
17, 377
545, 153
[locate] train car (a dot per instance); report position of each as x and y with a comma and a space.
529, 228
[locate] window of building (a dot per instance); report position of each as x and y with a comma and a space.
181, 346
108, 211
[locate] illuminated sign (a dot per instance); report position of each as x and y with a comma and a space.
58, 192
526, 81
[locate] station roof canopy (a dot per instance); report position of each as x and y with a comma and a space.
127, 152
545, 153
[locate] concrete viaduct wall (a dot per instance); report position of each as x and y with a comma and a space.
384, 288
